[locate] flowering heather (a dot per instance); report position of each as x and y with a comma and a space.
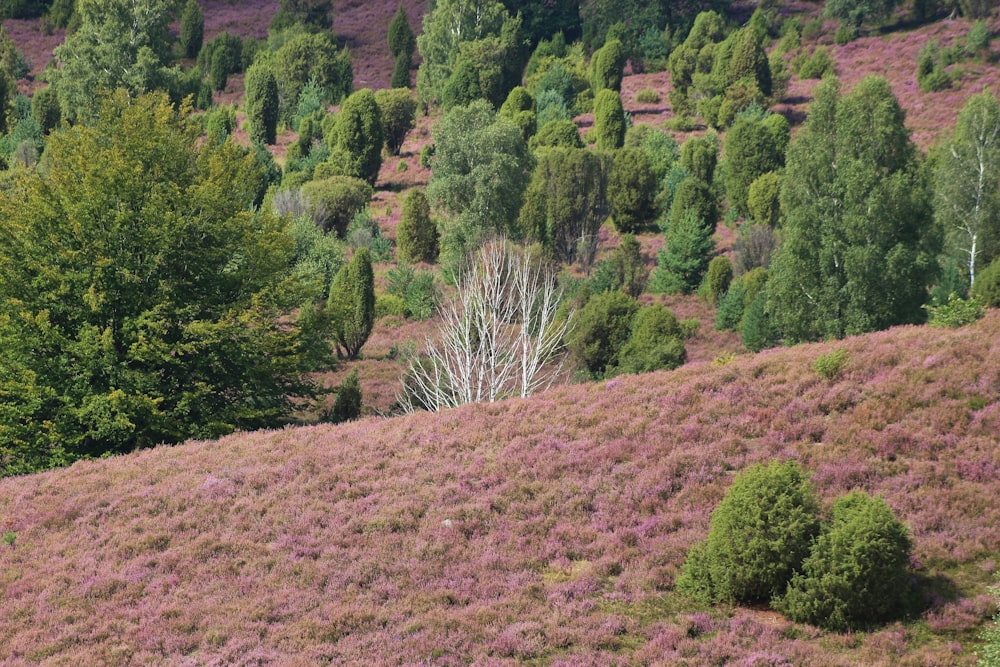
547, 530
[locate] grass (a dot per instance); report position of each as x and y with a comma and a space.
498, 534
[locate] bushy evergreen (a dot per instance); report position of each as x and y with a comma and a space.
416, 235
347, 405
262, 104
631, 190
655, 343
352, 304
609, 120
601, 328
333, 201
192, 29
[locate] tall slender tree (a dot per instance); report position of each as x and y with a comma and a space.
352, 304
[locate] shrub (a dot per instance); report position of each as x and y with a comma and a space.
417, 289
818, 65
417, 235
990, 654
763, 202
856, 573
756, 333
931, 75
647, 96
607, 66
812, 29
978, 40
557, 133
831, 365
609, 120
956, 312
262, 104
347, 405
758, 536
684, 258
352, 304
631, 190
389, 305
602, 327
192, 29
845, 34
717, 279
656, 342
426, 153
987, 285
334, 201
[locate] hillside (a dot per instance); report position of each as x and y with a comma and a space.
544, 531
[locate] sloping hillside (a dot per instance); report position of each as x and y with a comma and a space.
542, 531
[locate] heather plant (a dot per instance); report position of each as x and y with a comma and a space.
857, 572
758, 537
830, 366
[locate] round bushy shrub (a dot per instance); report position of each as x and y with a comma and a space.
987, 285
720, 274
557, 133
656, 342
417, 235
763, 202
758, 536
333, 201
609, 120
631, 190
603, 326
856, 574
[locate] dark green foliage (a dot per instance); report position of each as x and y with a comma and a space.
416, 235
631, 190
987, 285
748, 61
22, 9
398, 110
402, 41
12, 60
347, 405
548, 20
191, 335
262, 104
566, 201
685, 255
660, 148
609, 120
858, 12
221, 57
818, 65
607, 66
352, 304
758, 536
401, 71
463, 86
356, 143
856, 575
519, 108
315, 14
742, 292
630, 266
859, 246
220, 123
416, 289
192, 29
757, 333
311, 57
717, 279
602, 327
931, 75
694, 196
975, 9
978, 40
334, 201
563, 133
753, 148
763, 199
45, 109
699, 156
656, 342
311, 105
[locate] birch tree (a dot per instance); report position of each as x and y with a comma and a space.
500, 336
967, 184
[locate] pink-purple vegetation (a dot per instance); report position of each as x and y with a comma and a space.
547, 530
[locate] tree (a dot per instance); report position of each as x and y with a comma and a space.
357, 138
631, 190
758, 536
398, 111
602, 328
311, 57
566, 202
699, 156
333, 201
402, 43
192, 29
352, 304
656, 342
312, 13
967, 185
854, 13
120, 43
685, 255
519, 108
607, 66
857, 571
347, 405
45, 109
417, 235
262, 103
755, 145
859, 247
609, 120
499, 336
144, 299
480, 170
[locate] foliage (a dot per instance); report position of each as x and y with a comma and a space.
314, 14
694, 196
310, 57
220, 57
987, 286
859, 244
990, 655
609, 120
764, 199
566, 201
647, 96
351, 304
717, 279
856, 574
656, 342
931, 75
755, 145
163, 302
631, 190
317, 256
857, 12
334, 201
978, 40
262, 103
830, 366
398, 112
402, 41
818, 65
759, 535
600, 330
357, 137
192, 29
557, 133
347, 405
417, 235
757, 332
699, 156
45, 109
607, 66
956, 312
220, 123
519, 108
684, 258
417, 290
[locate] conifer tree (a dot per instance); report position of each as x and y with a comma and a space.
192, 29
417, 235
356, 144
352, 304
607, 66
609, 120
402, 44
262, 103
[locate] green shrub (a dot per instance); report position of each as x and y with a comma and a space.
763, 201
756, 333
845, 34
989, 656
656, 342
557, 133
956, 312
931, 75
347, 405
192, 29
609, 120
631, 190
389, 305
417, 235
987, 285
647, 96
758, 536
717, 279
978, 40
602, 327
426, 153
856, 574
818, 65
334, 201
417, 289
831, 365
607, 66
812, 29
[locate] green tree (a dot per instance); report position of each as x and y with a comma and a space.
607, 66
855, 13
763, 199
717, 279
315, 14
655, 343
631, 190
519, 107
398, 111
601, 329
566, 202
192, 29
311, 57
352, 304
699, 155
335, 200
967, 186
347, 405
563, 133
45, 109
758, 536
120, 43
695, 196
755, 145
480, 171
859, 245
262, 103
684, 258
857, 571
402, 44
417, 235
357, 138
144, 299
609, 120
